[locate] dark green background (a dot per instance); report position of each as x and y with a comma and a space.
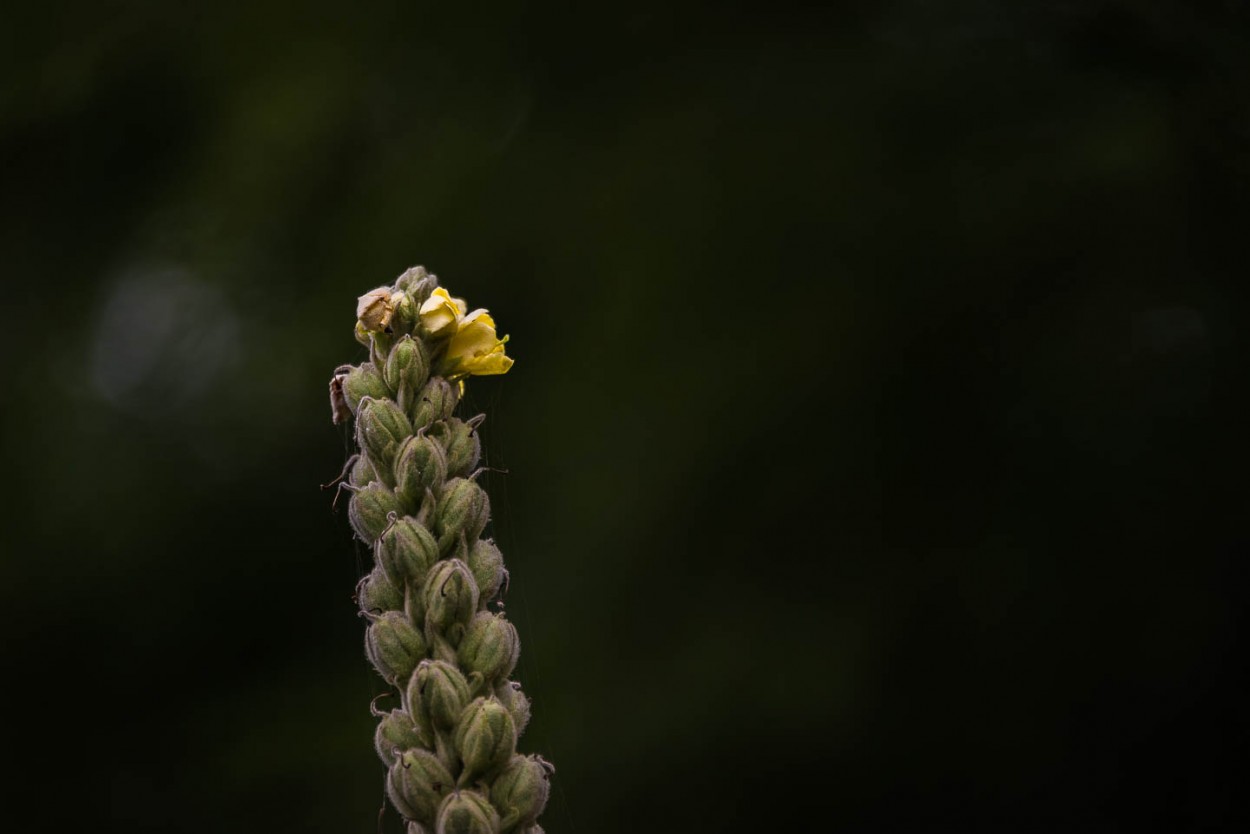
875, 450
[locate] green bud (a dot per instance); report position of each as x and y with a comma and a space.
486, 563
520, 790
450, 596
407, 367
411, 276
422, 289
485, 737
463, 509
417, 783
420, 465
437, 694
517, 702
490, 647
417, 282
369, 508
436, 402
467, 812
394, 646
462, 443
380, 428
396, 731
405, 316
377, 593
406, 551
362, 471
364, 381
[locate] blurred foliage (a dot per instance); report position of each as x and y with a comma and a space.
873, 452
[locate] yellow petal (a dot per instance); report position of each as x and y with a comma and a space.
479, 314
440, 313
473, 339
493, 363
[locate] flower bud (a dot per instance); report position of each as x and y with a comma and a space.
380, 428
420, 465
374, 309
377, 593
394, 646
463, 509
490, 647
406, 551
407, 368
450, 595
362, 471
437, 693
405, 316
518, 703
422, 288
485, 737
396, 731
363, 381
486, 563
467, 812
436, 401
520, 790
369, 508
462, 444
411, 277
415, 827
417, 783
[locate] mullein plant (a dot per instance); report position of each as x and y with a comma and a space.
450, 744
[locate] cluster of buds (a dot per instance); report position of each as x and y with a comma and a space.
450, 746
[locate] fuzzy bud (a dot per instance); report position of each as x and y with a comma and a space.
363, 381
450, 595
467, 812
378, 593
407, 367
437, 694
417, 783
520, 791
490, 647
421, 465
486, 563
394, 646
485, 737
374, 309
463, 510
517, 702
411, 277
380, 428
396, 731
406, 551
422, 288
405, 317
436, 401
369, 508
362, 471
462, 444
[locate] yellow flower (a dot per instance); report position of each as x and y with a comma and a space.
375, 308
441, 314
475, 349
